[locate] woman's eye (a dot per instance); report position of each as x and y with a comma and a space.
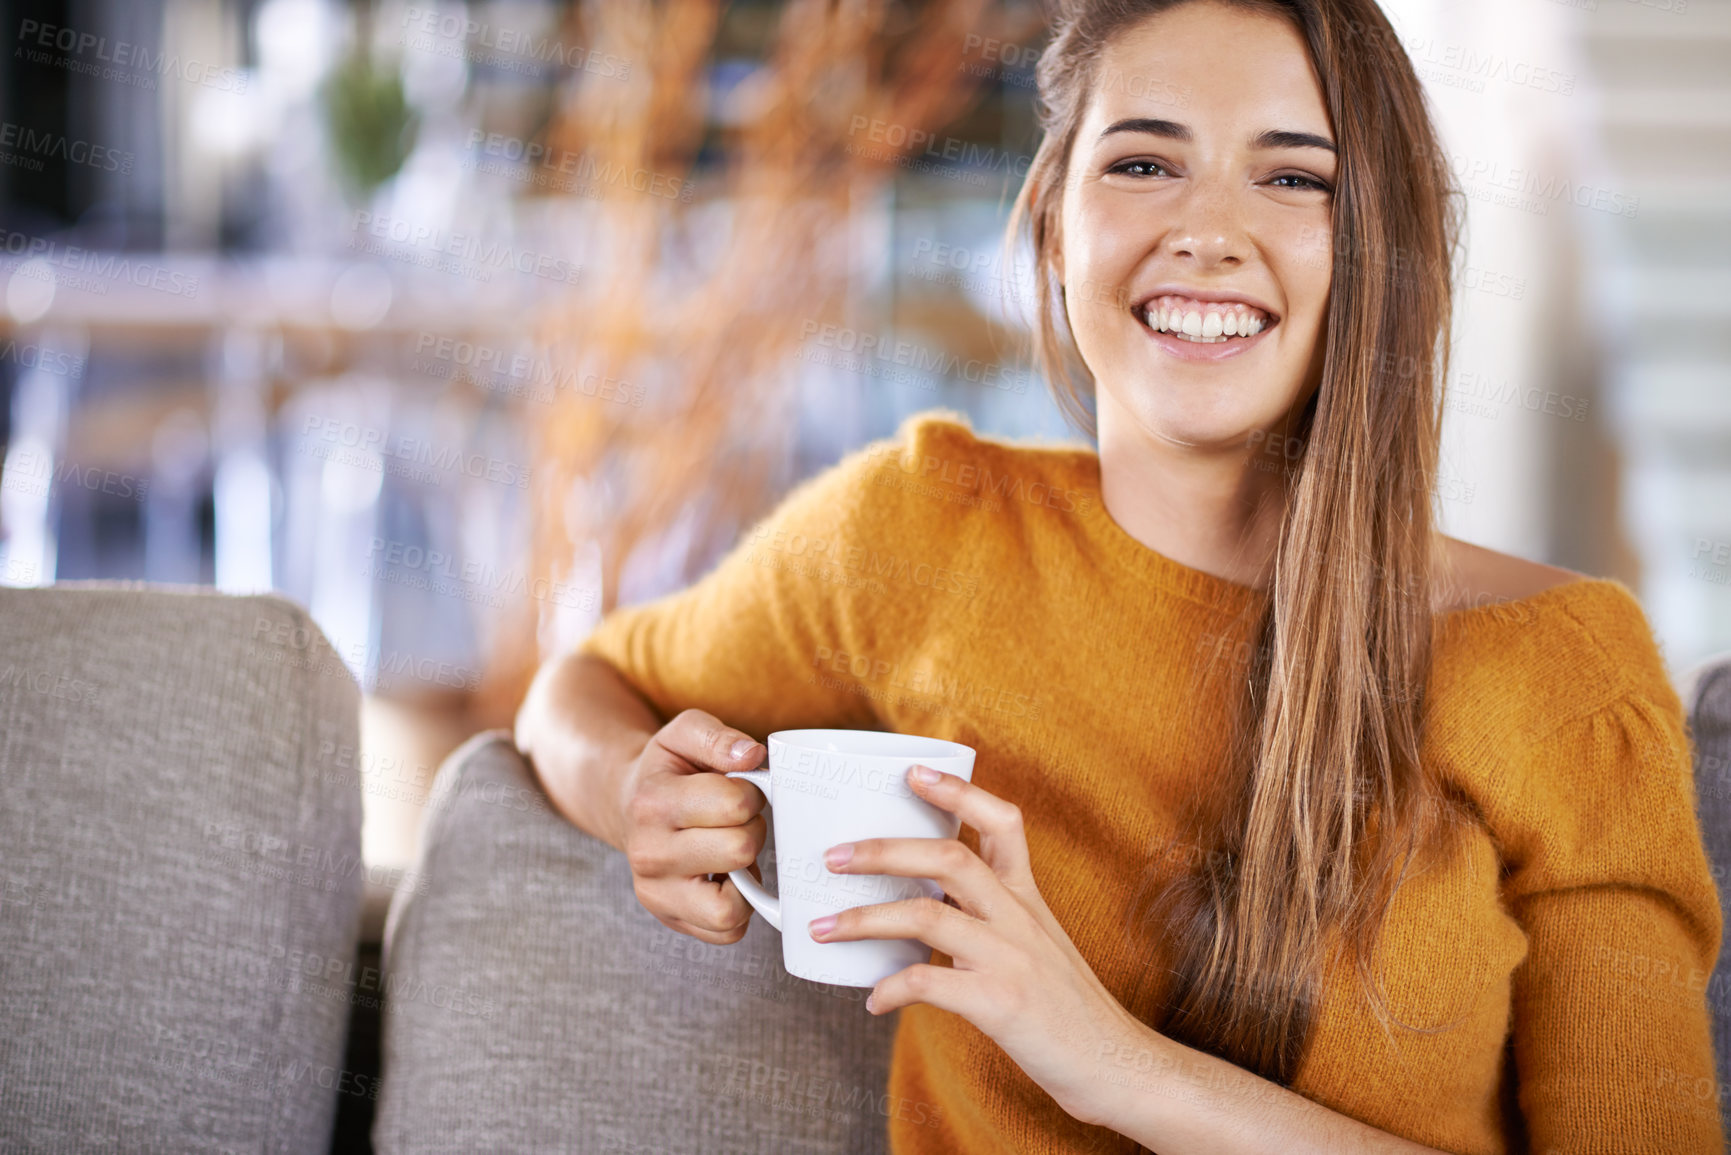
1299, 180
1148, 167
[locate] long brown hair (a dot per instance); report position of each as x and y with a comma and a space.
1327, 803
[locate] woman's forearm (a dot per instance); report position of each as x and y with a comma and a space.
1180, 1101
582, 727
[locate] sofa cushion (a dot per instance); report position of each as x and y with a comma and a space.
532, 1004
179, 848
1708, 698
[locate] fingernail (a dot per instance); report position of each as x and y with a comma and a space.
838, 855
871, 1002
924, 774
742, 747
822, 926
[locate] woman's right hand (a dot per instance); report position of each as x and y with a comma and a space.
684, 821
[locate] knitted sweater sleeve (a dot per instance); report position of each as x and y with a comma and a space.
1606, 873
756, 642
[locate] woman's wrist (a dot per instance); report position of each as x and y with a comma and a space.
1171, 1097
1133, 1069
583, 739
1176, 1099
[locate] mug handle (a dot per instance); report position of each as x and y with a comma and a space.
765, 903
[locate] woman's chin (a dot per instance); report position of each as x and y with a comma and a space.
1169, 414
1219, 432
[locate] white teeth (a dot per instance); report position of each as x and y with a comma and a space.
1206, 327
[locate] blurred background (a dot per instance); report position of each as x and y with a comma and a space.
461, 323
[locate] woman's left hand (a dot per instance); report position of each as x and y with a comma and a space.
1016, 975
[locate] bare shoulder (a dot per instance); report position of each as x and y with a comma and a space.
1469, 576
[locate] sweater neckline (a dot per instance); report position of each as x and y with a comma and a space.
1186, 581
1550, 599
1232, 597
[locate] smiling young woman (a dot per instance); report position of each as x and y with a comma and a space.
1295, 824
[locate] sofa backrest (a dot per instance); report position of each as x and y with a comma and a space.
180, 874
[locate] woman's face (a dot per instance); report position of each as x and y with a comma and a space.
1196, 250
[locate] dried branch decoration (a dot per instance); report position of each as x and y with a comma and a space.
699, 301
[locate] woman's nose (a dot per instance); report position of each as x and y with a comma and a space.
1207, 230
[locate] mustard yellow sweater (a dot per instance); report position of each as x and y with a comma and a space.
1551, 969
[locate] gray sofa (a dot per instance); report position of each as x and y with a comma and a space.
180, 863
1707, 697
185, 965
574, 1021
187, 962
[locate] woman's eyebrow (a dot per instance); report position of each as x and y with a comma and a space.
1283, 138
1166, 128
1172, 130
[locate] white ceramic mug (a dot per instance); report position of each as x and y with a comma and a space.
831, 786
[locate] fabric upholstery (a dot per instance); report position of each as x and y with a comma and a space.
1710, 723
534, 1005
179, 847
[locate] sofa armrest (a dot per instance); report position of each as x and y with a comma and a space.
533, 1004
1707, 697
